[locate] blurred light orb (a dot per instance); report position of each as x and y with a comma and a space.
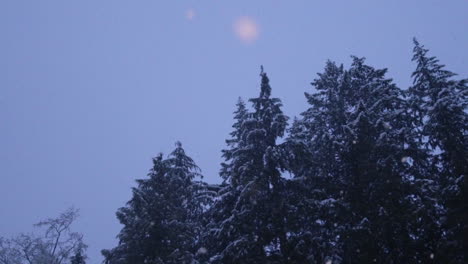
246, 29
190, 14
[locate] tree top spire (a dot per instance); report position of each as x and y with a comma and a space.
265, 89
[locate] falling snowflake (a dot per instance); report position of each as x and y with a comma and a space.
202, 250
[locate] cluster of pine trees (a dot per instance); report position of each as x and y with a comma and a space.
378, 176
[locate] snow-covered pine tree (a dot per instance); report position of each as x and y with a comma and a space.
240, 116
321, 126
350, 147
380, 155
441, 103
247, 224
160, 222
372, 173
314, 144
226, 193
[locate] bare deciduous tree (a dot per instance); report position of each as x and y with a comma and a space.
55, 246
8, 252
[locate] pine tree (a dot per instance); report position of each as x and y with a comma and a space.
245, 226
240, 116
440, 102
373, 154
351, 147
322, 124
314, 143
161, 221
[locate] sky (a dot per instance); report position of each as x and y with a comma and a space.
91, 90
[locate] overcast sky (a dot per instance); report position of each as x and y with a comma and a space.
91, 90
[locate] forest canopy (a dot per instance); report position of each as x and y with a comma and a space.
378, 176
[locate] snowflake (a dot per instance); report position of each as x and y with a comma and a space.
202, 250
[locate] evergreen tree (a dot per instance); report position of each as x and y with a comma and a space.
321, 128
245, 226
161, 221
315, 143
374, 172
350, 147
440, 102
240, 116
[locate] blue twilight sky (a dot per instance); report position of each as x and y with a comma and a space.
91, 90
